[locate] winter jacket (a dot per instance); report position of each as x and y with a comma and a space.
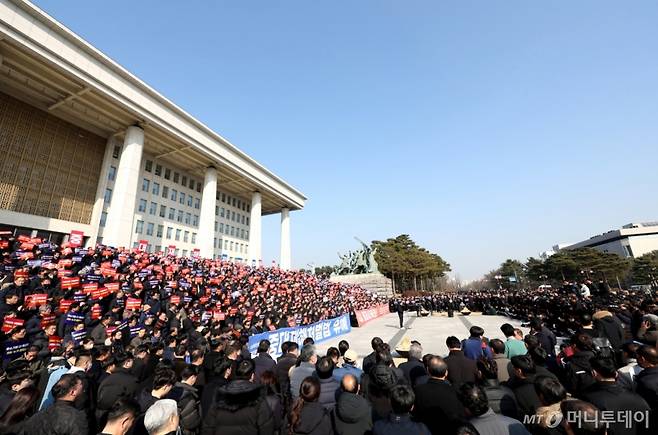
298, 374
611, 328
579, 373
328, 388
460, 368
647, 386
119, 384
608, 396
189, 408
263, 363
526, 396
314, 420
491, 423
352, 415
240, 409
62, 418
281, 371
501, 399
437, 406
397, 424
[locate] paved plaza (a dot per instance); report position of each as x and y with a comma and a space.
431, 332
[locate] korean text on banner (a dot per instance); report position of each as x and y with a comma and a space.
365, 316
319, 331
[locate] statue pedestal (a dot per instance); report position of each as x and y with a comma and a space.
375, 282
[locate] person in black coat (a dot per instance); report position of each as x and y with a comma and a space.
371, 359
607, 395
647, 380
121, 383
264, 360
460, 368
62, 418
579, 371
522, 384
240, 408
413, 362
436, 402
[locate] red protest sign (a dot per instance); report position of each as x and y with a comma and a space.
10, 323
89, 287
69, 283
133, 304
54, 342
47, 319
100, 293
175, 299
218, 315
96, 312
33, 301
76, 238
112, 286
143, 245
65, 305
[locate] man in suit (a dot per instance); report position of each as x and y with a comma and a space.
460, 368
437, 404
413, 362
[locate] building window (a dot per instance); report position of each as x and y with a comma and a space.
158, 248
221, 212
174, 194
233, 216
232, 231
243, 218
223, 197
221, 228
191, 184
176, 177
189, 200
154, 208
233, 202
184, 252
184, 180
193, 238
172, 213
108, 196
142, 205
156, 188
139, 227
181, 198
148, 166
112, 173
103, 219
116, 152
188, 218
247, 221
198, 187
225, 244
197, 203
169, 231
163, 210
158, 170
167, 173
177, 234
145, 185
216, 210
231, 248
180, 216
215, 226
215, 242
159, 233
149, 229
186, 236
195, 220
246, 235
242, 234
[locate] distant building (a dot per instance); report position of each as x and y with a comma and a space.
632, 240
544, 255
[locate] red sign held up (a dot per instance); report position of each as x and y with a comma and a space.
65, 305
76, 238
10, 323
133, 304
33, 301
69, 283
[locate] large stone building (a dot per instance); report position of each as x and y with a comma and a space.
632, 240
86, 146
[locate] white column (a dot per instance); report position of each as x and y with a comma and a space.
284, 259
100, 192
206, 236
255, 229
119, 225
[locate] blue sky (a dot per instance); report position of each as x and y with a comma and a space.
485, 130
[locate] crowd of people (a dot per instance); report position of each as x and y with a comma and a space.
102, 341
125, 315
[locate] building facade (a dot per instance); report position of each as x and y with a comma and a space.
630, 241
86, 146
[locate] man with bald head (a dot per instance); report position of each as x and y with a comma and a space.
647, 379
352, 413
437, 404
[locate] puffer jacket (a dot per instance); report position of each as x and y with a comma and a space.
314, 420
59, 419
241, 409
352, 415
189, 408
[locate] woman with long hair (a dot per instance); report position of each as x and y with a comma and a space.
20, 409
307, 416
273, 397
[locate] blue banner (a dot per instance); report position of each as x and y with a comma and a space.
319, 332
